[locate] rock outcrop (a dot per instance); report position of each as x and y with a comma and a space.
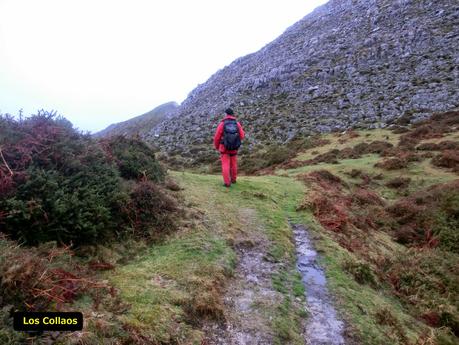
350, 63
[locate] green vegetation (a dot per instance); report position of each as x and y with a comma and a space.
62, 195
174, 286
360, 209
134, 158
275, 199
386, 235
61, 186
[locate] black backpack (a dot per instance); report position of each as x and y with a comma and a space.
231, 139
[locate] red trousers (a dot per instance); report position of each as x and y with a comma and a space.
229, 168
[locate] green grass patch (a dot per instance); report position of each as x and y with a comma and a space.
275, 199
173, 285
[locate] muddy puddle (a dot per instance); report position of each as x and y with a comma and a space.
250, 294
323, 326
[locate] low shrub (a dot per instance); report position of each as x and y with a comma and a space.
378, 147
172, 185
151, 211
135, 160
429, 217
447, 159
42, 277
385, 317
398, 182
261, 159
400, 130
349, 153
61, 185
362, 196
361, 271
64, 187
450, 118
292, 164
354, 173
330, 157
448, 145
392, 164
435, 127
428, 282
330, 211
264, 159
408, 142
324, 178
428, 147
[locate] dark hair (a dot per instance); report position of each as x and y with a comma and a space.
229, 111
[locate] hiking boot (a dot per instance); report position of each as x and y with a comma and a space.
226, 185
233, 181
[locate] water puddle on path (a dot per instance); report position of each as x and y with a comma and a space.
250, 292
323, 326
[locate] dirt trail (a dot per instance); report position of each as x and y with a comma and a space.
250, 294
323, 326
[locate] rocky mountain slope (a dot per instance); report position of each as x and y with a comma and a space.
350, 63
140, 124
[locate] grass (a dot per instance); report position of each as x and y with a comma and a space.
423, 174
163, 286
373, 311
365, 162
175, 285
166, 291
202, 258
365, 136
275, 199
359, 303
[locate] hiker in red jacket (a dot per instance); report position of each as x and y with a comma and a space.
227, 140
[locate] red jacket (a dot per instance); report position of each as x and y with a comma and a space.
219, 134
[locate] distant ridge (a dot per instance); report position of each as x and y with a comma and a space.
141, 124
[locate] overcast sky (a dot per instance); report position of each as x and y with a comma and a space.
103, 61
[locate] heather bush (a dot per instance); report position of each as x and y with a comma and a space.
134, 158
258, 160
427, 281
330, 157
378, 147
429, 217
398, 182
428, 147
446, 221
151, 211
361, 271
448, 145
447, 159
60, 185
63, 186
277, 155
392, 164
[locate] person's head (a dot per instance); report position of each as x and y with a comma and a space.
229, 111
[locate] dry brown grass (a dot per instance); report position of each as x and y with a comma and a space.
447, 159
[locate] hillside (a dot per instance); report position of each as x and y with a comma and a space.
362, 222
348, 64
342, 228
141, 124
